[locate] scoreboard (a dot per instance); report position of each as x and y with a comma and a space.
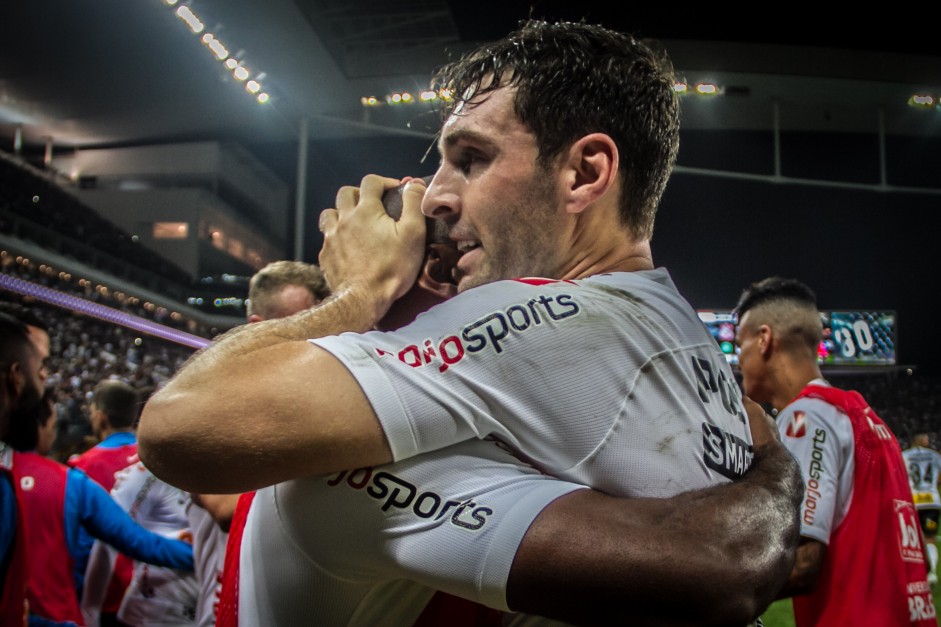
850, 337
858, 338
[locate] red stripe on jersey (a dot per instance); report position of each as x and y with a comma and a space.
538, 281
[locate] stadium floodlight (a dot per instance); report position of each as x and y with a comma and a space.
186, 14
707, 89
921, 100
240, 73
215, 46
263, 98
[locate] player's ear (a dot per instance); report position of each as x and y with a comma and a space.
16, 379
589, 170
10, 379
765, 339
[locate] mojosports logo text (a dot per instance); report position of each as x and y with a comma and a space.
489, 330
393, 491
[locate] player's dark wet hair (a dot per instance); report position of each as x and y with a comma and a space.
575, 79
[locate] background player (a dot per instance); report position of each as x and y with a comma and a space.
924, 475
860, 561
20, 395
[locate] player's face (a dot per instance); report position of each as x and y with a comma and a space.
27, 407
501, 208
750, 361
40, 340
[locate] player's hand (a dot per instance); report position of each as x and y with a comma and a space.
365, 249
763, 428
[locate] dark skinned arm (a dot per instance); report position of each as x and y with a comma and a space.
712, 557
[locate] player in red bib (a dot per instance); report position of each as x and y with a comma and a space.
861, 559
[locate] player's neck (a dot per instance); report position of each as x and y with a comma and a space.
624, 256
792, 376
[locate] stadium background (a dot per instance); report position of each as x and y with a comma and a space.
812, 162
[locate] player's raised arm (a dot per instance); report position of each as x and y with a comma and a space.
261, 404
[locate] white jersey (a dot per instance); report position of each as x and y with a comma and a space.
156, 596
209, 542
367, 547
611, 382
820, 436
924, 472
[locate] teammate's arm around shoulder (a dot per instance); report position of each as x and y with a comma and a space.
589, 557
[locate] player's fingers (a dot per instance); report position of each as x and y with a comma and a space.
412, 196
373, 186
328, 220
347, 196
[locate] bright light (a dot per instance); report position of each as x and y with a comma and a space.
396, 97
185, 14
215, 46
253, 87
427, 96
231, 63
706, 89
406, 97
680, 88
171, 2
921, 100
263, 97
369, 101
240, 73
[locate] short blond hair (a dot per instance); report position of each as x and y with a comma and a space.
265, 285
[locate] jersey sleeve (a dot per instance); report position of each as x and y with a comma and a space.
550, 369
450, 520
821, 438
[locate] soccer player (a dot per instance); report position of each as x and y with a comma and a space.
924, 475
593, 369
156, 595
280, 289
860, 561
113, 414
60, 501
23, 376
114, 410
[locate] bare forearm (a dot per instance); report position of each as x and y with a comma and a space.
261, 406
716, 556
349, 310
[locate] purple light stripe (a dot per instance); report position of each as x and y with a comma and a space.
101, 312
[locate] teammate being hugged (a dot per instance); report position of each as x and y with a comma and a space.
861, 560
924, 475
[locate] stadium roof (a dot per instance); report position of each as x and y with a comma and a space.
119, 72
